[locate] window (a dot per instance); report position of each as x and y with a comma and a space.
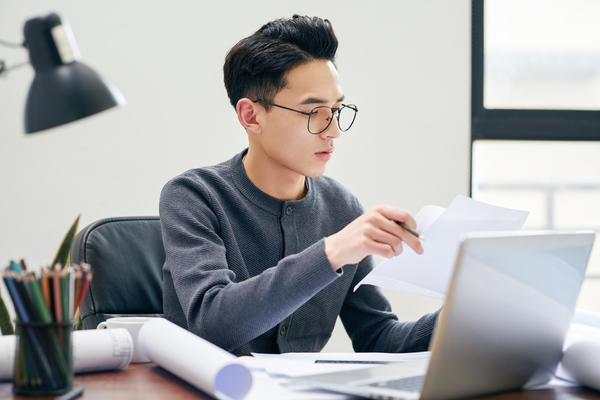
541, 54
535, 119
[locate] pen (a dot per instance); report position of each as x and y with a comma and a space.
71, 394
410, 230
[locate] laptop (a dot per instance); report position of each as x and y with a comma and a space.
507, 311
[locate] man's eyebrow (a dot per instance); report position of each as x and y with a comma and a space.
313, 100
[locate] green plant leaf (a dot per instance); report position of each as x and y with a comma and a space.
78, 323
6, 327
62, 255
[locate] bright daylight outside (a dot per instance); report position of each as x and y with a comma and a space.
543, 54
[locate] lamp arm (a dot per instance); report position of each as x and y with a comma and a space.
11, 44
5, 68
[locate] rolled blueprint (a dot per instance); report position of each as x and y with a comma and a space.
7, 356
195, 360
93, 350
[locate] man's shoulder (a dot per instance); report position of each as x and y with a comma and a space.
200, 179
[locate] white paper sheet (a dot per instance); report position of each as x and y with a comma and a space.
292, 368
195, 360
302, 364
264, 386
359, 357
275, 374
93, 350
578, 333
429, 274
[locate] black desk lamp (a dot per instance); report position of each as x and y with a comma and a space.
63, 89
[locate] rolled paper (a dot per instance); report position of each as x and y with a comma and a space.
93, 350
195, 360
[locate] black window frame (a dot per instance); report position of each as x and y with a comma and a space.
515, 124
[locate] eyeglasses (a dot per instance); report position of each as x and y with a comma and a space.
319, 118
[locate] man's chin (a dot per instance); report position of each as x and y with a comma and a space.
315, 173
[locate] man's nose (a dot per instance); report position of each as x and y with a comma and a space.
332, 131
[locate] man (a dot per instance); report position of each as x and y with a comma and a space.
262, 251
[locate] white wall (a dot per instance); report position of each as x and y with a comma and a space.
404, 63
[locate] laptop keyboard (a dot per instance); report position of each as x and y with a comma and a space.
410, 383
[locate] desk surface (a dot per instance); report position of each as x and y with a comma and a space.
147, 381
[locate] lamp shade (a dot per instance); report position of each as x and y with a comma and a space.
63, 88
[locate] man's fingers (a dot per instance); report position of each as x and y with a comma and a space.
382, 249
397, 214
393, 228
410, 221
410, 239
383, 237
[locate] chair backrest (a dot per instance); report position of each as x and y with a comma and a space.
126, 255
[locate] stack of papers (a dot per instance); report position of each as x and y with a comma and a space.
302, 364
274, 374
429, 274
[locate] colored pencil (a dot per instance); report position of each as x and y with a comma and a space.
24, 317
54, 297
64, 290
71, 292
55, 275
46, 289
87, 277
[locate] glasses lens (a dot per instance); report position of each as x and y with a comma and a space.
319, 119
347, 114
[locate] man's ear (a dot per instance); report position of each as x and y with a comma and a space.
247, 115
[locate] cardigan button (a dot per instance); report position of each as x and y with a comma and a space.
282, 330
289, 210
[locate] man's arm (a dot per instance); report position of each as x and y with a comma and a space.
217, 307
366, 314
372, 326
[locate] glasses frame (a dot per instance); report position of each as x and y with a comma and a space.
333, 110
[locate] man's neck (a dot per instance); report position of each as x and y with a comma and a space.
273, 178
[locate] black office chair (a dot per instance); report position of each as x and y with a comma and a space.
126, 255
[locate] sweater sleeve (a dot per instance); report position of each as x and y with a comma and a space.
372, 326
370, 323
218, 308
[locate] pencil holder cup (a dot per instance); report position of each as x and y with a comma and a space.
43, 358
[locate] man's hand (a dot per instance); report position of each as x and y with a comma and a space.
374, 232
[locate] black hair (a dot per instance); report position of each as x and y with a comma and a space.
256, 66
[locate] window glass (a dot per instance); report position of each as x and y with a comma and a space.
558, 182
542, 54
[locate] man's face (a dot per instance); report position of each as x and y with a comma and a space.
285, 137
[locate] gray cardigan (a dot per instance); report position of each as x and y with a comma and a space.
248, 272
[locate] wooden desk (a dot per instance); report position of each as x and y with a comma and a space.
147, 381
137, 381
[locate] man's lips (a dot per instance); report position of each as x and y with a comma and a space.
324, 155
